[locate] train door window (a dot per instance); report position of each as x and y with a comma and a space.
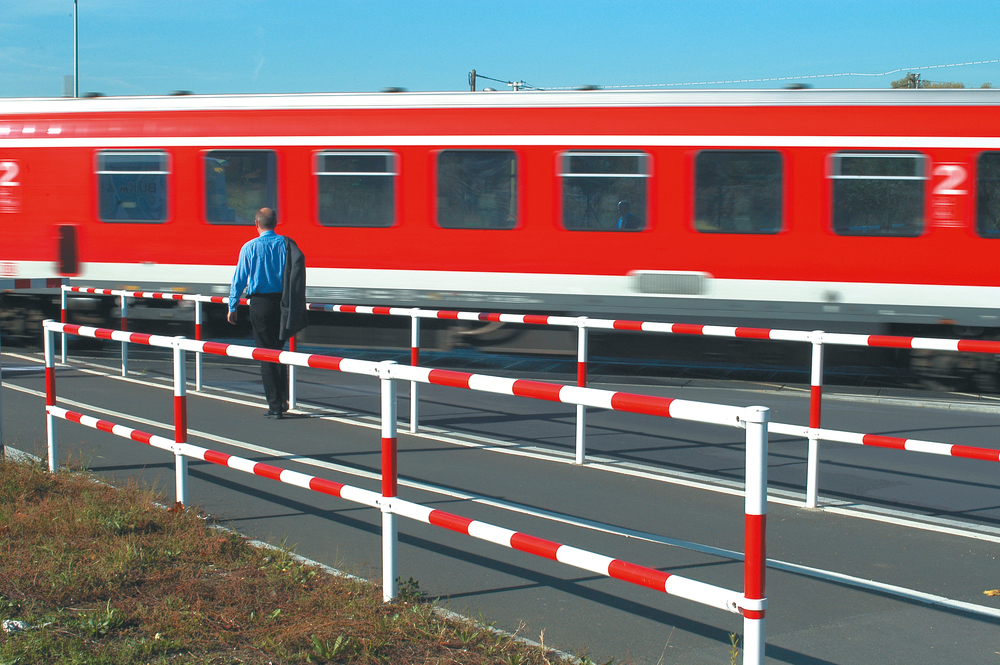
477, 189
356, 188
738, 191
878, 193
132, 186
988, 195
238, 183
604, 191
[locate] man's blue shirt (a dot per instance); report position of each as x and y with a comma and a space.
260, 268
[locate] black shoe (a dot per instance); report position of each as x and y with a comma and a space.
273, 415
284, 407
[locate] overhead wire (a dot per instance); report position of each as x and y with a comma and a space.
781, 78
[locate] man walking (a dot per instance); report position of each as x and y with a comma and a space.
260, 270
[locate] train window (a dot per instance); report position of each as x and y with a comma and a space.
132, 186
988, 195
477, 189
604, 191
878, 193
737, 191
356, 188
238, 183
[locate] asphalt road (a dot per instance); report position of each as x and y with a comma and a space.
892, 568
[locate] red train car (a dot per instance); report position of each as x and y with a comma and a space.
788, 207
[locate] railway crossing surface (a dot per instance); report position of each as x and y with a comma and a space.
892, 568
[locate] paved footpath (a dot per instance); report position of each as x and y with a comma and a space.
892, 570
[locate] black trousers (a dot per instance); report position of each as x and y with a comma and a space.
265, 316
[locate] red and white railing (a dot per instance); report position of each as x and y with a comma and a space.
814, 433
751, 603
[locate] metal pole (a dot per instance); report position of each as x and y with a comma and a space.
180, 424
62, 319
292, 397
755, 534
815, 404
50, 394
124, 329
76, 55
581, 381
414, 362
2, 452
197, 336
389, 483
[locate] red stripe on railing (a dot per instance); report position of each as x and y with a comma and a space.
754, 333
105, 426
324, 362
815, 405
536, 319
389, 486
537, 390
269, 355
688, 329
447, 314
534, 545
384, 311
216, 348
447, 377
754, 560
628, 325
884, 441
969, 452
140, 338
267, 471
102, 333
636, 574
657, 406
449, 521
217, 458
977, 346
326, 486
50, 386
141, 437
890, 342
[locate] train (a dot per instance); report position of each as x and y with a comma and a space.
844, 210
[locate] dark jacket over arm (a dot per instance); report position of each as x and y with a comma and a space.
293, 291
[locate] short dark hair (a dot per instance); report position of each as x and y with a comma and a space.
266, 219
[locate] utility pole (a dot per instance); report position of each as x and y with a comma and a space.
76, 52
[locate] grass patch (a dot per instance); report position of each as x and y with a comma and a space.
97, 575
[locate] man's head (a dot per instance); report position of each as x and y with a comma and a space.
266, 220
623, 207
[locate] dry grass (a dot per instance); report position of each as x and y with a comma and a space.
101, 575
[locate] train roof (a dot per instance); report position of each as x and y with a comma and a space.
506, 99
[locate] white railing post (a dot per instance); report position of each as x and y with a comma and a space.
755, 534
292, 395
62, 319
414, 362
180, 424
581, 381
815, 404
124, 329
197, 336
389, 482
50, 395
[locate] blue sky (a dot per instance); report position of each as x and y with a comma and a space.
138, 47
